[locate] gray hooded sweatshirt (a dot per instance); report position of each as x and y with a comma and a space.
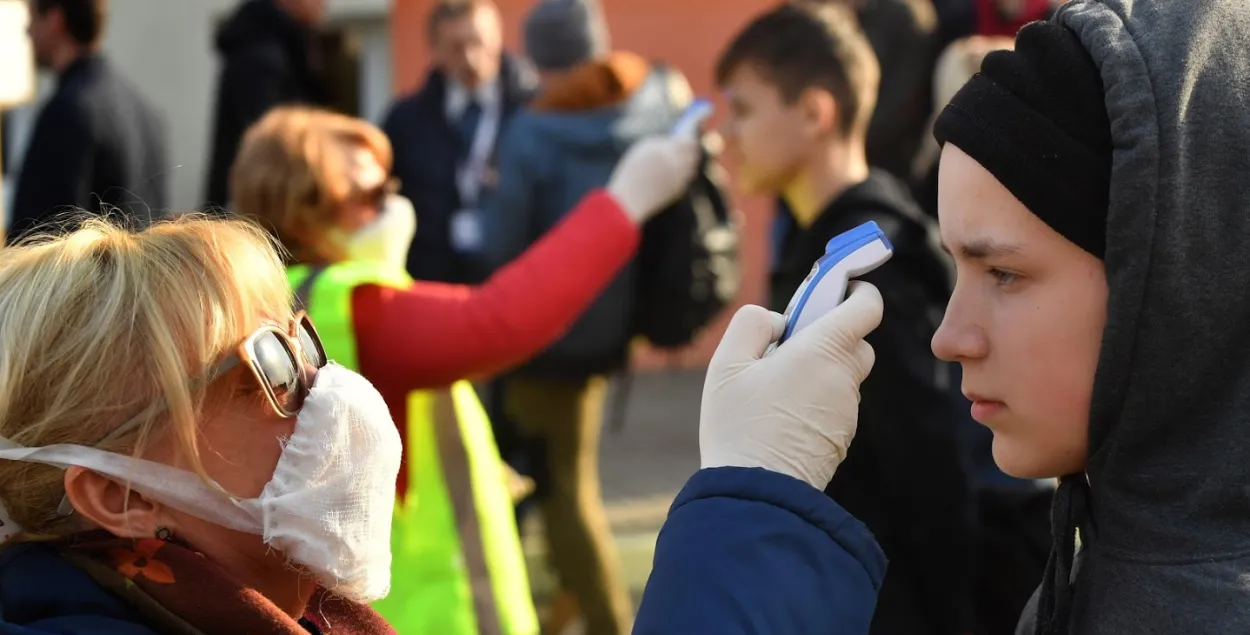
1169, 465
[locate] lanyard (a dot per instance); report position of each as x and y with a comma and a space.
471, 174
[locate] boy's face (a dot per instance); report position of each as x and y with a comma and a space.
768, 138
1025, 321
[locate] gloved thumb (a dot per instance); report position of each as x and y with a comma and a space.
845, 325
750, 332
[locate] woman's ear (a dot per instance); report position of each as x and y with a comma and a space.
110, 505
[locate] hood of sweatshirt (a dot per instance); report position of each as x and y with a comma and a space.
1169, 465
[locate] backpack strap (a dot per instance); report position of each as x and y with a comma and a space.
305, 287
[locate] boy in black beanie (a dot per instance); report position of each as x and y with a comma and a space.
801, 83
1024, 186
1092, 191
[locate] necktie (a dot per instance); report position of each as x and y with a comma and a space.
466, 127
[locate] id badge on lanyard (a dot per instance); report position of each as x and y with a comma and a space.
466, 223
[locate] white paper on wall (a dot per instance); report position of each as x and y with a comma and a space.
17, 67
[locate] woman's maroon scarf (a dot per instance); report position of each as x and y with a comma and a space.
177, 590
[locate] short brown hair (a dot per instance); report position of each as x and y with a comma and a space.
448, 10
798, 46
84, 19
292, 176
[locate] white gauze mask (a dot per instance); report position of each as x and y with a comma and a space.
328, 506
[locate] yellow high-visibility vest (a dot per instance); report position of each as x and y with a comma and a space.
457, 565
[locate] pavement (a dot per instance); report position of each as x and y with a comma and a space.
642, 467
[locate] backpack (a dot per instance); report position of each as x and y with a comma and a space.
688, 263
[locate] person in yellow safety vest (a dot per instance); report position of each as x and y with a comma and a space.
321, 183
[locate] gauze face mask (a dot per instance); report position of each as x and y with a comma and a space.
387, 239
328, 506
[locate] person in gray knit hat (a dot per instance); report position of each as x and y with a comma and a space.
562, 34
593, 103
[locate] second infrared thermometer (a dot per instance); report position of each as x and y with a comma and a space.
691, 118
849, 255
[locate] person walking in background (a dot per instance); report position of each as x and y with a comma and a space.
801, 81
593, 104
446, 133
320, 182
268, 58
98, 143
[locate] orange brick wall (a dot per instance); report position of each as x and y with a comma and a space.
685, 33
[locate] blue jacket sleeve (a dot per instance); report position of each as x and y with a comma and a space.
748, 551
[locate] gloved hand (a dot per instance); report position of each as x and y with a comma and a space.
653, 173
795, 410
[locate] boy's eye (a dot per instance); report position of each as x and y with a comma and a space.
1003, 277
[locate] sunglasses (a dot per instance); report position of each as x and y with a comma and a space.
279, 360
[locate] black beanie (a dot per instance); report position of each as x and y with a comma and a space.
1036, 119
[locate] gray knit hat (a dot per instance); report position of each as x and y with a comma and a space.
560, 34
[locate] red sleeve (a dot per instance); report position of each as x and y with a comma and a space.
433, 334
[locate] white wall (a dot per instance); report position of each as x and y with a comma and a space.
166, 47
377, 82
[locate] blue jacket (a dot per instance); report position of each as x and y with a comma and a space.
748, 551
548, 161
42, 593
743, 551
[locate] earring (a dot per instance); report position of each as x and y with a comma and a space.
164, 533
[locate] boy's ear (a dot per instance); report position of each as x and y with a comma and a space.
820, 111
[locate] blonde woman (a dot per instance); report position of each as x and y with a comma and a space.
322, 183
176, 455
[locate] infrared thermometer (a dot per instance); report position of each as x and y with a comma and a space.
689, 121
849, 255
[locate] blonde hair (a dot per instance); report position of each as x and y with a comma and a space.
954, 67
293, 176
100, 324
959, 62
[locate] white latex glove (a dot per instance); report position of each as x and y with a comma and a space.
654, 172
794, 411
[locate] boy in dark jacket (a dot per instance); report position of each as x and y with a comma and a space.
801, 82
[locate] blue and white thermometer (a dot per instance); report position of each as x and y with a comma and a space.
849, 255
691, 118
